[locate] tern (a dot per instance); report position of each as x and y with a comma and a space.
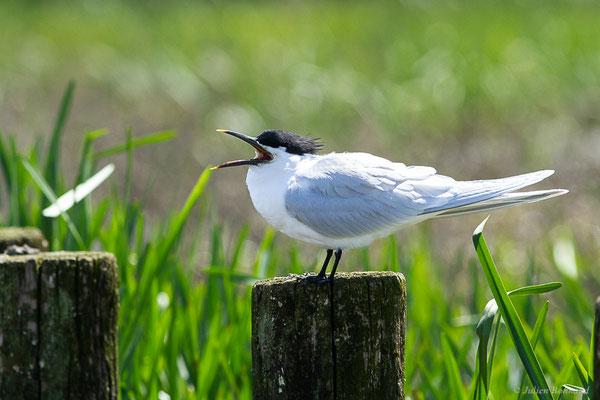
341, 201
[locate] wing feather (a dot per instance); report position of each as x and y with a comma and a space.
351, 194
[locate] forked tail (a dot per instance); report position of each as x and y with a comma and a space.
493, 194
503, 201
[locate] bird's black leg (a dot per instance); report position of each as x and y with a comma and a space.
321, 277
325, 264
338, 255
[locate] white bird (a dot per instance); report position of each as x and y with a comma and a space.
345, 200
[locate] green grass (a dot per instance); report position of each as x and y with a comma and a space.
184, 328
485, 88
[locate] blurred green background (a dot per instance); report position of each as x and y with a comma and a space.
477, 90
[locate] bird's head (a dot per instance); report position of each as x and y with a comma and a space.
270, 144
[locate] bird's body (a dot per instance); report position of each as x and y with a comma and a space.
308, 197
347, 200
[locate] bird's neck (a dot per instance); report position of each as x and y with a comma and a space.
282, 164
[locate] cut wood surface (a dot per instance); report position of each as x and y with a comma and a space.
58, 326
31, 237
340, 340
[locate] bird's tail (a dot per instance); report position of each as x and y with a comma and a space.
503, 201
493, 194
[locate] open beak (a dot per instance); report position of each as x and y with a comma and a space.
262, 155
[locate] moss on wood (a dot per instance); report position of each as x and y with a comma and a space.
31, 237
343, 340
58, 324
19, 341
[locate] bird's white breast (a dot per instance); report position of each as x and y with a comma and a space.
267, 185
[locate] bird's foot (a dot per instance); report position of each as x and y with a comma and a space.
318, 279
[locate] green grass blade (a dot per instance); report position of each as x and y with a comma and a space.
571, 390
428, 380
390, 259
53, 158
156, 267
83, 216
85, 162
595, 352
142, 141
129, 171
7, 163
537, 329
179, 222
126, 352
233, 275
510, 315
536, 289
51, 227
490, 360
51, 196
86, 149
454, 381
264, 255
484, 330
9, 157
239, 247
584, 377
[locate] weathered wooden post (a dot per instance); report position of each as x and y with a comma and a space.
597, 352
340, 340
58, 326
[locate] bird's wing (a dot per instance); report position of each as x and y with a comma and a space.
352, 194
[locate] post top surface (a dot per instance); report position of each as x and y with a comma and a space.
12, 232
339, 277
58, 255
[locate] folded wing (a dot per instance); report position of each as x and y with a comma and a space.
353, 194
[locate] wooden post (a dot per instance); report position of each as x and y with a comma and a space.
597, 351
58, 326
340, 340
31, 237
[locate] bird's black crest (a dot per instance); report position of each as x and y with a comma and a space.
293, 143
